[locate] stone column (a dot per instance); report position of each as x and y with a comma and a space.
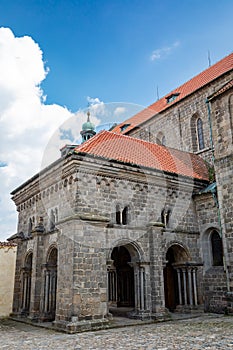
46, 292
142, 288
111, 282
194, 270
190, 286
185, 287
36, 279
25, 291
179, 286
136, 285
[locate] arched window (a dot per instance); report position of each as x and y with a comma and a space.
30, 227
165, 216
122, 216
125, 216
200, 136
50, 285
163, 141
118, 215
231, 105
217, 249
52, 220
26, 284
231, 110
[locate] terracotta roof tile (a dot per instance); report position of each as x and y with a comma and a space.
200, 80
130, 150
7, 244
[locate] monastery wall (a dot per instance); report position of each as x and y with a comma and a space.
178, 123
7, 272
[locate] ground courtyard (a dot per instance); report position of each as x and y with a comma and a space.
204, 332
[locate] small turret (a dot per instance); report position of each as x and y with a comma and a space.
88, 129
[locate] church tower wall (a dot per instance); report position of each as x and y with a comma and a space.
221, 116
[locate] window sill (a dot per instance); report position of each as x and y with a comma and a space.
203, 150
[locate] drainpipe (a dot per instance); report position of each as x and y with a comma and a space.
216, 199
213, 160
211, 133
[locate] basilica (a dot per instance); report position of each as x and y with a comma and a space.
136, 220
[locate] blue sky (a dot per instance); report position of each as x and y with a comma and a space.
56, 57
103, 48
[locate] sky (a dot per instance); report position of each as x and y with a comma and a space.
113, 56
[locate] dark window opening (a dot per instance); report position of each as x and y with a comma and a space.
124, 127
30, 227
52, 221
201, 143
217, 249
118, 215
165, 216
172, 97
125, 216
122, 216
163, 141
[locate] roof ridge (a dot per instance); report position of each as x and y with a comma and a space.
194, 77
189, 87
151, 143
134, 139
200, 73
127, 149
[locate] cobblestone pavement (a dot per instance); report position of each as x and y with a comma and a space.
205, 332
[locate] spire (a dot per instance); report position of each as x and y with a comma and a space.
88, 129
88, 116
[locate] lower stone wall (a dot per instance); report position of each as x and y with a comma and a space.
7, 271
215, 288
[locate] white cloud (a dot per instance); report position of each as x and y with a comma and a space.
32, 132
27, 123
164, 51
119, 111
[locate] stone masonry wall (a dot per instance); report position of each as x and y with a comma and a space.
214, 279
222, 134
144, 192
175, 122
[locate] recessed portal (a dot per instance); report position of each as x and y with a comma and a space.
121, 278
176, 255
50, 286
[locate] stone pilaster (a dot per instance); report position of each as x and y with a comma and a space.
82, 275
158, 309
36, 277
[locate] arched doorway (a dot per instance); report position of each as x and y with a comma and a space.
26, 284
127, 281
123, 277
170, 282
50, 285
180, 280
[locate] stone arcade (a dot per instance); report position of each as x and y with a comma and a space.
136, 219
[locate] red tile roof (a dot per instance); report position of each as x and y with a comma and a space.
130, 150
200, 80
7, 244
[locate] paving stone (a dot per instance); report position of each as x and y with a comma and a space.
205, 332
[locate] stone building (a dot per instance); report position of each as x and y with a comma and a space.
138, 219
7, 273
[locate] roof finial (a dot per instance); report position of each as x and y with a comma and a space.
209, 59
88, 128
88, 116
